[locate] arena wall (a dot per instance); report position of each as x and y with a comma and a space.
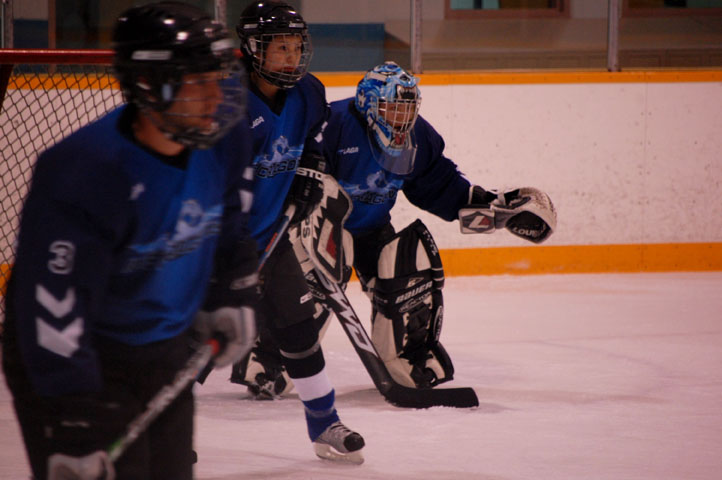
632, 161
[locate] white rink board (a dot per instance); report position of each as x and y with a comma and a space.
624, 163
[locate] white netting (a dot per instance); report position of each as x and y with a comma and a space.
42, 104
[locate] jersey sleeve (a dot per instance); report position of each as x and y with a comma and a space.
235, 240
333, 134
235, 153
319, 112
71, 224
435, 185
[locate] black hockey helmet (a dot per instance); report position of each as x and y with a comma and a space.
156, 45
258, 25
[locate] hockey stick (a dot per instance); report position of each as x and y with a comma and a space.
275, 239
66, 467
285, 222
164, 397
393, 392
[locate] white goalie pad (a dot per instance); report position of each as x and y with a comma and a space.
322, 234
408, 309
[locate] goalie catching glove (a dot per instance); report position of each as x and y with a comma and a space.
526, 212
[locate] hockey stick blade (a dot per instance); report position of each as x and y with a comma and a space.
394, 393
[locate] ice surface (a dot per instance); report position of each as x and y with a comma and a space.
609, 376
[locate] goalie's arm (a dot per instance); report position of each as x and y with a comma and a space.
436, 185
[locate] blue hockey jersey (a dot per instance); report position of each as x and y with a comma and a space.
116, 242
435, 183
280, 138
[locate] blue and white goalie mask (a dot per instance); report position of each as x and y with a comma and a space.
389, 99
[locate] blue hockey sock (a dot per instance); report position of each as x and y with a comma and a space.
320, 413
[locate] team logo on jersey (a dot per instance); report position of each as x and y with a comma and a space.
282, 158
135, 192
378, 189
257, 121
193, 226
348, 150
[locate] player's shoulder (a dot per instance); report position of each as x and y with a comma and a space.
92, 144
311, 81
311, 88
235, 147
91, 156
342, 107
423, 125
424, 131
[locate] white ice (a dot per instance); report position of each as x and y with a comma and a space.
612, 376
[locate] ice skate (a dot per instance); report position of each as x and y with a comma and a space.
338, 443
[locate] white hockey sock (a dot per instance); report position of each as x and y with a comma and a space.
315, 386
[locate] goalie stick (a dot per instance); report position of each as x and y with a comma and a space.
285, 222
327, 257
393, 392
401, 396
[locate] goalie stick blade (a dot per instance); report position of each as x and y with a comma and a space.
394, 393
406, 397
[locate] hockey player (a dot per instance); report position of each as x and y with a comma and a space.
377, 145
288, 113
116, 248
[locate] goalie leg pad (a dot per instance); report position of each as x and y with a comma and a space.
408, 309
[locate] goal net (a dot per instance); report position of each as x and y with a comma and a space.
46, 95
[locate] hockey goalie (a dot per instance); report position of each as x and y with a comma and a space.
377, 145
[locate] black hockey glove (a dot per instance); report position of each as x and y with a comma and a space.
526, 212
82, 427
307, 188
229, 308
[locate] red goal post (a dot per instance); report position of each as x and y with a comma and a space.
44, 96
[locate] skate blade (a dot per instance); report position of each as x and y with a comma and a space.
326, 452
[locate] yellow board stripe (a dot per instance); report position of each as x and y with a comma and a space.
94, 81
668, 257
488, 78
664, 257
63, 82
4, 277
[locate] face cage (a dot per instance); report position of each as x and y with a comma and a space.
394, 120
179, 125
283, 74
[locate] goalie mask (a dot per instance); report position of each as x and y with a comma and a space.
173, 61
388, 98
275, 42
